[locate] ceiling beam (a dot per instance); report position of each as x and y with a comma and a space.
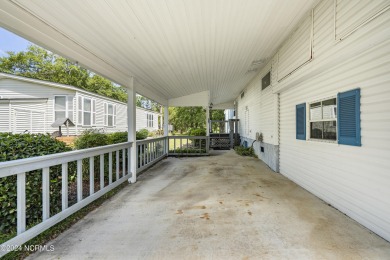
193, 100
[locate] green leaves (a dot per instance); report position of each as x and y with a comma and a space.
241, 150
39, 63
19, 146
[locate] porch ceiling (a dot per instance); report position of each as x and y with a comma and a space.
173, 48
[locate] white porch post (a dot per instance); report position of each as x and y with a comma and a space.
207, 121
166, 132
131, 123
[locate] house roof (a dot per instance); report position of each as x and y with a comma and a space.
61, 86
55, 85
171, 48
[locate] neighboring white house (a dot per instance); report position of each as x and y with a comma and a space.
30, 105
322, 103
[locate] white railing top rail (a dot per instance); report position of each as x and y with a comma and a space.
150, 140
187, 136
29, 164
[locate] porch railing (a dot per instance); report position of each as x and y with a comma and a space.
150, 151
188, 145
110, 163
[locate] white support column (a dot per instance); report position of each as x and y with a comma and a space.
131, 123
207, 121
207, 128
166, 132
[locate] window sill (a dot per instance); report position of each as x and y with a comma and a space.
322, 141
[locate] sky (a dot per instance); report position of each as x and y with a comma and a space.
11, 42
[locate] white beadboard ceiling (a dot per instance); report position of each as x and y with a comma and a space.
173, 48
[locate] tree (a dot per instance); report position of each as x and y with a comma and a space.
147, 103
184, 119
39, 63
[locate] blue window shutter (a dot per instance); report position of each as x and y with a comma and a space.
348, 117
300, 112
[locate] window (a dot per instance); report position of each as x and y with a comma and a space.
149, 120
332, 119
109, 114
59, 107
266, 80
86, 111
323, 120
63, 107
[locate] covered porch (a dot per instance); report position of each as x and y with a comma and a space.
211, 54
223, 207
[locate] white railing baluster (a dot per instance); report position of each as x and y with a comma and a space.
19, 168
123, 163
64, 179
91, 175
150, 147
117, 165
45, 193
109, 168
136, 156
128, 161
144, 154
21, 202
79, 180
101, 171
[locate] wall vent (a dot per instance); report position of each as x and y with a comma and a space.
266, 80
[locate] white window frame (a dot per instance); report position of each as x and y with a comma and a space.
67, 110
106, 114
80, 112
309, 120
149, 120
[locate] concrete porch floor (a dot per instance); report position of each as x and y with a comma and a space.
219, 207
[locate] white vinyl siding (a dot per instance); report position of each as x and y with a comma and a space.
347, 22
143, 119
353, 179
297, 49
4, 114
28, 121
257, 110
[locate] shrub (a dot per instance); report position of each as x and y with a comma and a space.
19, 146
91, 138
142, 134
185, 151
241, 150
118, 137
197, 132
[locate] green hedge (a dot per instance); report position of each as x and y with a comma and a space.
241, 150
188, 151
93, 138
142, 134
19, 146
197, 132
